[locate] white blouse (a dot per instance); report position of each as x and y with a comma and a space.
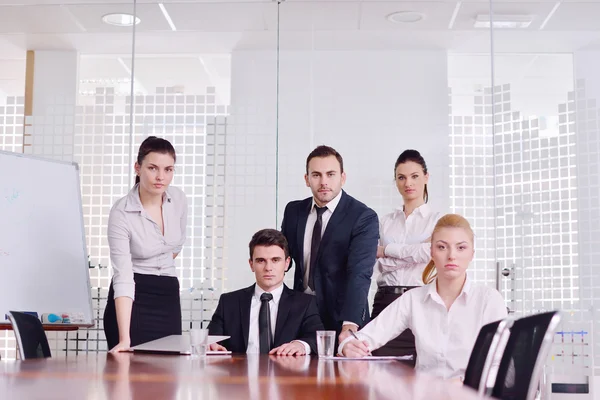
136, 242
405, 253
443, 338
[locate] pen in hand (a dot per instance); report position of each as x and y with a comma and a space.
356, 337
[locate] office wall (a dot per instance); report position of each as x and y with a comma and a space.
370, 106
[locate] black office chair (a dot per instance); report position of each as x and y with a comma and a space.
524, 356
30, 336
490, 342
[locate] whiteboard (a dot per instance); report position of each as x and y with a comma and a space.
43, 257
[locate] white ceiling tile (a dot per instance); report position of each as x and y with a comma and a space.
437, 15
130, 2
90, 16
325, 15
36, 19
576, 17
219, 17
469, 11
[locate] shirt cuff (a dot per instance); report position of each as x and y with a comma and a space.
350, 323
341, 346
124, 290
306, 346
385, 251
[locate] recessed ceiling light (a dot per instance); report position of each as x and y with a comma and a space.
404, 17
503, 21
120, 19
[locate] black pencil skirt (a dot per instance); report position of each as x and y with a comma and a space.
400, 346
156, 311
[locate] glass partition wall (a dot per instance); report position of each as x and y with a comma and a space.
546, 176
372, 79
102, 84
65, 89
499, 97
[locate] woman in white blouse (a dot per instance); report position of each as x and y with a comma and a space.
404, 244
445, 315
146, 231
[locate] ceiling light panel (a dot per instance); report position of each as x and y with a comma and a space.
377, 16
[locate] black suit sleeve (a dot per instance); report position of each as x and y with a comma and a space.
285, 213
311, 323
361, 259
284, 230
216, 327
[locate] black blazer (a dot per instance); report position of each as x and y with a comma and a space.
345, 261
297, 319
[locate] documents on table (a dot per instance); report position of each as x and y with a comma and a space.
370, 358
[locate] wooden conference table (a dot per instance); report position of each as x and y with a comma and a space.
145, 376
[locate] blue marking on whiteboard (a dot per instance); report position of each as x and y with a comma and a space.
11, 197
4, 253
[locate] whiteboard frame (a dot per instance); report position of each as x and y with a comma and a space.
90, 323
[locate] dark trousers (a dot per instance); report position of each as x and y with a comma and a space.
156, 311
400, 346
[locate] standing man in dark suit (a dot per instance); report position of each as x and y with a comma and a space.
267, 317
333, 242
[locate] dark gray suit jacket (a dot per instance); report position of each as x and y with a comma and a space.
345, 261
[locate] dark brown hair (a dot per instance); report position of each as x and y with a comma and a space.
325, 151
269, 237
153, 144
416, 157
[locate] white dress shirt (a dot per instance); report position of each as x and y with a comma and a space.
136, 242
443, 338
405, 253
310, 227
253, 333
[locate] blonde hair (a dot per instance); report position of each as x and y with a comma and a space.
447, 221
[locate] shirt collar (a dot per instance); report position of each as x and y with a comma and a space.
424, 210
133, 202
331, 205
276, 293
433, 294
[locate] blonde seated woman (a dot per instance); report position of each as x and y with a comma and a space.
445, 315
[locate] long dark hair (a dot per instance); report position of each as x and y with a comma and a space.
416, 157
153, 144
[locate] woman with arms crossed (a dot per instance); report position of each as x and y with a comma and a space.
445, 315
146, 231
404, 238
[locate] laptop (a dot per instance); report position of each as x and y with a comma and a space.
176, 345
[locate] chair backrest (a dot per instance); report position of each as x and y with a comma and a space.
524, 356
30, 336
482, 355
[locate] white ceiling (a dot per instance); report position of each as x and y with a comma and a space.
208, 31
77, 23
223, 26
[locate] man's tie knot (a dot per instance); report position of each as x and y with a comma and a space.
266, 297
320, 210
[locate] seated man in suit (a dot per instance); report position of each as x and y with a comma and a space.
267, 317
